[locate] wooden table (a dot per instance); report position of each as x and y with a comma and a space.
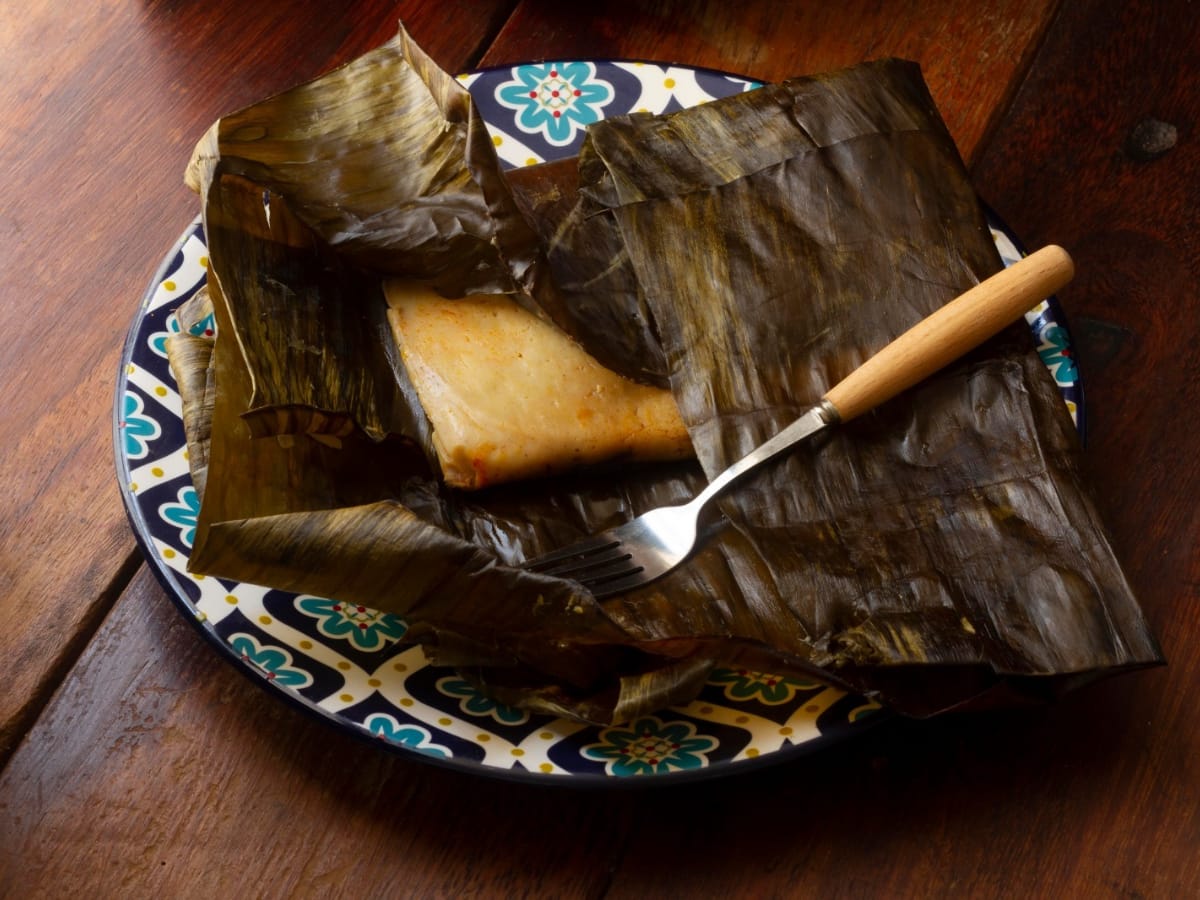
139, 763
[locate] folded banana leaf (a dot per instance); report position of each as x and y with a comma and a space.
952, 523
937, 549
384, 166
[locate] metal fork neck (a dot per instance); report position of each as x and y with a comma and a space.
815, 419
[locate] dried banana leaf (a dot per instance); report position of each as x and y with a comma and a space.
947, 533
603, 300
190, 357
381, 166
387, 160
949, 528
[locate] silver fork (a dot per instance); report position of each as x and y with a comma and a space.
646, 548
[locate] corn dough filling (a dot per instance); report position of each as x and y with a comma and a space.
510, 396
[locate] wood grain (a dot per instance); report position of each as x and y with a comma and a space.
158, 770
100, 105
971, 53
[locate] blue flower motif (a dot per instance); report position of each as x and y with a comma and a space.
275, 661
365, 628
158, 340
412, 736
650, 746
183, 513
1055, 351
555, 100
139, 429
474, 703
744, 684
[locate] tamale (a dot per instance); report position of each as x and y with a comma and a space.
510, 396
948, 532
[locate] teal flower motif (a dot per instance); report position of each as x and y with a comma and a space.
555, 100
745, 684
473, 703
1055, 351
275, 661
158, 341
366, 628
650, 746
137, 427
412, 736
183, 513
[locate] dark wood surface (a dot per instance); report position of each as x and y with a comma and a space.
138, 763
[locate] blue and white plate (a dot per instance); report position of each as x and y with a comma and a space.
351, 665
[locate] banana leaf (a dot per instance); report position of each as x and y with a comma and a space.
937, 550
381, 166
953, 523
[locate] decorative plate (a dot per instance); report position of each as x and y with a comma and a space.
351, 665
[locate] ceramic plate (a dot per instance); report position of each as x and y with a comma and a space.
351, 665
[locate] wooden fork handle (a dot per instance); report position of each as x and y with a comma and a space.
961, 325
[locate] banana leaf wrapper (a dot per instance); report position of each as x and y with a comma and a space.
952, 524
385, 167
710, 145
918, 552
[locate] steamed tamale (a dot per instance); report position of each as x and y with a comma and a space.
947, 533
509, 396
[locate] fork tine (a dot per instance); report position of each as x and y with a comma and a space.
585, 548
614, 566
569, 568
618, 584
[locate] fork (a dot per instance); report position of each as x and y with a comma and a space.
646, 548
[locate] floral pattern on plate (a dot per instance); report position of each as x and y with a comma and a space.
351, 666
650, 746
